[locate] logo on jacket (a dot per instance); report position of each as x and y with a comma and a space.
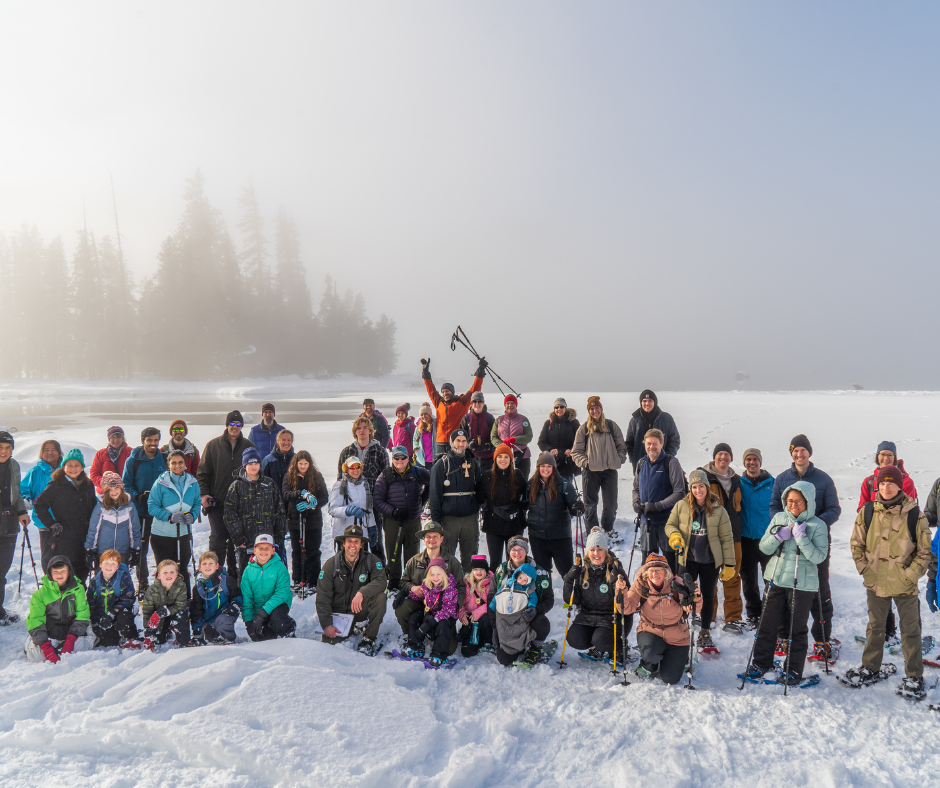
378, 564
321, 575
604, 588
545, 584
362, 578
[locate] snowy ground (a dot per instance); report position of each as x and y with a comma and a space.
301, 713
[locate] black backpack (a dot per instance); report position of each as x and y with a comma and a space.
912, 516
668, 458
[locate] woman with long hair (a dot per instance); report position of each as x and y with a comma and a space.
305, 494
423, 438
503, 503
552, 503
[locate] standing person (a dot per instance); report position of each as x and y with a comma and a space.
403, 430
503, 503
827, 510
179, 442
114, 525
756, 487
450, 408
400, 494
13, 515
351, 503
111, 458
381, 430
645, 418
423, 440
552, 502
930, 509
141, 472
700, 534
374, 460
264, 434
305, 494
726, 484
221, 461
275, 465
599, 451
891, 549
253, 506
478, 424
887, 454
173, 505
557, 437
658, 485
454, 498
795, 536
514, 429
65, 508
36, 479
266, 596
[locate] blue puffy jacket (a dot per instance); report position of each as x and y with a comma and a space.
114, 594
140, 474
211, 595
827, 499
265, 439
33, 483
113, 529
755, 504
169, 494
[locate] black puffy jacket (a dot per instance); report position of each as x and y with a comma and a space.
559, 434
314, 518
636, 432
596, 602
71, 507
551, 519
408, 491
503, 513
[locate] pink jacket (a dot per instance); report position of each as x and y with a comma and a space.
442, 603
473, 604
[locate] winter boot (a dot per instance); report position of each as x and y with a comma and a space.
781, 648
733, 627
7, 618
753, 672
149, 644
705, 643
752, 623
131, 644
788, 678
912, 688
532, 655
368, 647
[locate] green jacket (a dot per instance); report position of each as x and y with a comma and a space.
55, 613
812, 548
156, 596
265, 587
339, 583
718, 528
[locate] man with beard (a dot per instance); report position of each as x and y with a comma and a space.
179, 442
647, 417
456, 491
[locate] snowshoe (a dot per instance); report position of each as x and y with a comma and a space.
791, 681
295, 588
753, 674
752, 623
865, 677
926, 645
369, 647
360, 626
487, 648
441, 665
596, 655
826, 652
614, 536
781, 648
536, 655
8, 618
912, 688
643, 673
733, 627
705, 644
131, 644
892, 640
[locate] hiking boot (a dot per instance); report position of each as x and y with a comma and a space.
8, 618
912, 688
367, 646
752, 622
781, 648
790, 679
705, 640
643, 673
435, 662
415, 653
597, 654
733, 628
754, 672
532, 655
822, 650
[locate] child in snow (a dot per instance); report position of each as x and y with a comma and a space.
513, 608
217, 603
163, 607
477, 631
266, 594
437, 619
111, 599
58, 615
114, 524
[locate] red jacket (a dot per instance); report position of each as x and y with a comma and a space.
102, 463
190, 452
870, 487
450, 413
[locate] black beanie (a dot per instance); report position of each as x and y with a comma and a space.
648, 394
234, 416
722, 447
801, 441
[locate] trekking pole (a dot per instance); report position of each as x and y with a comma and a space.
623, 602
398, 547
822, 624
564, 643
579, 542
31, 559
614, 670
455, 338
786, 664
303, 556
19, 585
763, 606
636, 533
690, 584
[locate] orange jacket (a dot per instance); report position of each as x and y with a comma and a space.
450, 413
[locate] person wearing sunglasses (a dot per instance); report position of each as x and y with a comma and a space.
221, 462
179, 442
557, 437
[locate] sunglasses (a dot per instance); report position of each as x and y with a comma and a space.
181, 431
235, 424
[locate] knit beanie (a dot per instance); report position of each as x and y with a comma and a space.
698, 476
561, 401
111, 479
801, 441
479, 562
597, 538
115, 431
891, 473
448, 387
518, 541
73, 454
457, 434
546, 458
887, 446
234, 415
250, 455
402, 409
426, 408
6, 437
721, 447
510, 398
268, 406
756, 453
477, 396
503, 448
595, 400
655, 561
648, 394
439, 562
177, 423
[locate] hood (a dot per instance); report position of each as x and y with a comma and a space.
59, 559
188, 447
526, 569
809, 493
570, 415
279, 455
240, 474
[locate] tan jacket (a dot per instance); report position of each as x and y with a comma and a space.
599, 451
718, 525
660, 614
889, 562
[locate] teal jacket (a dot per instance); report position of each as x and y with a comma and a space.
812, 548
264, 587
171, 493
33, 483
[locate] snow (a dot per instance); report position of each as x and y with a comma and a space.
303, 713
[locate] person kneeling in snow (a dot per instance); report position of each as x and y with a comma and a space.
514, 610
353, 581
217, 603
436, 620
58, 615
163, 607
111, 600
266, 594
477, 630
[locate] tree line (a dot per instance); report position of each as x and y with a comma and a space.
213, 308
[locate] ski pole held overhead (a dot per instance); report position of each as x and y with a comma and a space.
460, 336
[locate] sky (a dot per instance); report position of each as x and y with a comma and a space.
613, 195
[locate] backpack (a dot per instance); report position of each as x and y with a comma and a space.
912, 516
667, 459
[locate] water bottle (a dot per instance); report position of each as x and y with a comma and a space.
475, 634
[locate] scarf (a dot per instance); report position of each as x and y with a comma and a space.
344, 489
113, 455
724, 480
650, 418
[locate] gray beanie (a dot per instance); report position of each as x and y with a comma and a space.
518, 541
756, 453
477, 396
698, 476
546, 458
597, 538
561, 401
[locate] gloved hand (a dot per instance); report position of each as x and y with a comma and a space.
355, 511
578, 508
784, 533
528, 614
107, 620
69, 644
158, 615
932, 595
301, 506
799, 529
426, 368
651, 506
188, 518
676, 542
725, 573
90, 557
55, 529
134, 559
142, 497
425, 629
233, 609
256, 624
639, 508
510, 441
400, 514
176, 517
473, 445
49, 652
481, 368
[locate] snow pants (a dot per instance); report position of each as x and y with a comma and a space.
777, 617
373, 609
442, 633
407, 533
707, 576
548, 551
733, 605
7, 551
582, 637
34, 652
123, 628
311, 572
484, 635
753, 563
909, 614
658, 657
278, 625
165, 549
220, 542
596, 485
222, 627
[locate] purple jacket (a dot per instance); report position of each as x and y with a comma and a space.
443, 604
516, 426
403, 434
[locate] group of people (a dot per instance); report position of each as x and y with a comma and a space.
456, 472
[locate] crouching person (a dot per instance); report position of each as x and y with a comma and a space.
436, 617
58, 615
216, 603
477, 630
353, 582
163, 608
111, 600
518, 630
266, 594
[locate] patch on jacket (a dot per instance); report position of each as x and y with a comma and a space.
378, 564
362, 578
545, 584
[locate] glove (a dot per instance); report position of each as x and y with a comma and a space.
400, 514
474, 444
676, 542
301, 506
426, 368
578, 508
932, 595
234, 609
528, 614
481, 368
354, 511
188, 518
311, 501
49, 651
256, 624
158, 615
142, 497
799, 529
510, 441
90, 557
639, 508
135, 558
425, 629
69, 644
55, 529
725, 573
107, 620
784, 533
649, 507
177, 517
